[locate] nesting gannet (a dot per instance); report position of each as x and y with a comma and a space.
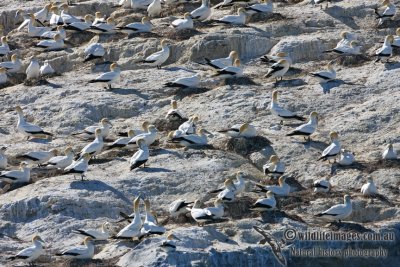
50, 34
108, 77
189, 126
308, 128
217, 211
347, 37
25, 17
203, 12
185, 23
44, 15
141, 156
396, 41
124, 4
154, 9
104, 28
282, 190
326, 75
271, 59
239, 19
98, 18
3, 75
55, 16
232, 71
12, 66
136, 27
149, 137
80, 26
80, 166
386, 50
322, 185
278, 70
46, 68
240, 130
346, 158
282, 113
221, 63
174, 112
95, 234
239, 185
23, 175
229, 192
190, 139
150, 226
56, 44
94, 51
140, 4
38, 157
3, 158
169, 244
67, 18
33, 70
265, 6
264, 204
94, 148
369, 188
4, 47
123, 141
144, 129
178, 207
388, 13
158, 58
199, 214
104, 125
274, 167
132, 229
81, 252
30, 254
332, 151
352, 49
338, 212
27, 128
34, 31
389, 153
61, 162
185, 82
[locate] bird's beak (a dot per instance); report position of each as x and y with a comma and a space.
209, 133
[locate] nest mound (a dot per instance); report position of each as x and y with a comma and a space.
167, 125
246, 146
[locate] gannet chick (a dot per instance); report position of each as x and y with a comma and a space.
221, 63
347, 50
33, 70
140, 4
4, 47
322, 186
108, 77
56, 44
136, 27
3, 158
332, 151
94, 148
104, 125
282, 113
104, 28
274, 167
132, 229
44, 15
185, 82
61, 162
271, 59
396, 41
30, 254
338, 212
389, 153
67, 18
154, 9
159, 58
240, 130
28, 129
169, 244
81, 252
179, 207
141, 156
38, 157
55, 16
386, 50
199, 214
326, 75
174, 112
149, 137
189, 140
388, 13
80, 166
46, 68
12, 66
217, 211
228, 194
94, 51
185, 23
123, 141
369, 188
95, 234
278, 70
239, 19
308, 128
232, 71
346, 158
98, 18
265, 6
150, 226
265, 204
282, 190
81, 25
50, 34
203, 12
23, 175
34, 31
3, 75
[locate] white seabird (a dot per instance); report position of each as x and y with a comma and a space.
274, 167
388, 13
4, 47
154, 9
232, 71
278, 70
94, 148
338, 212
12, 66
396, 41
199, 214
44, 15
80, 166
50, 34
347, 37
46, 68
149, 137
217, 211
3, 75
346, 158
229, 192
352, 49
150, 226
265, 6
190, 139
178, 207
369, 188
123, 141
386, 50
3, 158
90, 131
174, 112
81, 252
239, 19
333, 150
28, 129
108, 77
185, 23
240, 130
103, 28
282, 113
55, 17
389, 153
98, 18
221, 63
265, 204
23, 175
95, 234
282, 190
140, 4
34, 31
66, 17
32, 253
326, 75
188, 127
81, 25
141, 156
239, 185
61, 162
308, 128
322, 185
33, 70
169, 244
132, 229
137, 27
158, 58
38, 157
203, 12
56, 44
271, 59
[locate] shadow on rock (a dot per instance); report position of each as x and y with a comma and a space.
95, 185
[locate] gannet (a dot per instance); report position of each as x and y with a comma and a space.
94, 148
103, 28
221, 63
174, 112
46, 68
282, 113
50, 34
123, 141
67, 18
55, 44
369, 188
386, 50
199, 214
3, 75
4, 47
278, 70
108, 77
326, 75
80, 166
81, 252
274, 167
271, 59
203, 12
33, 70
94, 51
30, 254
282, 190
232, 71
308, 128
347, 37
178, 207
141, 156
27, 128
217, 211
149, 137
388, 12
154, 9
264, 204
81, 25
132, 229
185, 23
98, 18
23, 175
140, 4
25, 17
44, 15
169, 245
95, 234
332, 151
12, 66
124, 4
225, 3
389, 153
61, 162
104, 125
396, 41
190, 139
144, 129
265, 6
240, 130
352, 49
228, 194
55, 17
38, 157
239, 185
338, 212
322, 185
239, 19
137, 27
158, 58
346, 158
185, 82
189, 126
150, 226
34, 31
3, 158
